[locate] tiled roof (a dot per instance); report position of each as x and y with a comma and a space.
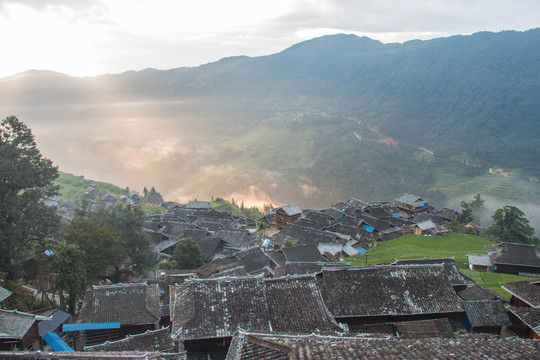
410, 199
129, 304
389, 290
302, 268
479, 259
157, 340
253, 260
455, 276
333, 347
425, 329
217, 266
15, 324
516, 254
303, 253
134, 355
235, 237
486, 313
4, 294
529, 316
218, 307
276, 257
305, 235
526, 291
291, 209
478, 292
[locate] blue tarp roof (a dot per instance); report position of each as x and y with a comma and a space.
56, 343
361, 250
368, 228
91, 326
266, 242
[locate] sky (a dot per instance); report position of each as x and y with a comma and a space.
92, 37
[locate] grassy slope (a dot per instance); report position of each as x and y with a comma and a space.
73, 188
449, 245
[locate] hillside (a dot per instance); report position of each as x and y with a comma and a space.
326, 119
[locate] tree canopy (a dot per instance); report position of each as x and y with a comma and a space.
511, 225
26, 177
188, 255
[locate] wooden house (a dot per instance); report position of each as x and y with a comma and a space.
151, 340
485, 316
524, 293
19, 330
135, 307
525, 322
411, 204
382, 294
246, 345
206, 313
514, 258
286, 214
480, 262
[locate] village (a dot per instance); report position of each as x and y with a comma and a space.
290, 293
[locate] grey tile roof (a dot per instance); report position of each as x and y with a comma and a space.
291, 209
529, 316
217, 266
302, 268
156, 340
410, 199
4, 293
478, 292
389, 290
479, 259
455, 276
305, 235
516, 254
528, 291
253, 260
15, 324
303, 253
134, 355
425, 329
129, 304
333, 347
486, 313
218, 307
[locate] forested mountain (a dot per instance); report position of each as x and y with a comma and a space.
306, 124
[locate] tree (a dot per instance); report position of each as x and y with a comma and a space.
511, 225
154, 197
188, 255
69, 265
288, 243
466, 215
102, 246
26, 177
128, 223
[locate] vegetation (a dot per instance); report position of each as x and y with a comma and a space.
511, 225
26, 178
219, 204
71, 278
109, 237
417, 247
188, 255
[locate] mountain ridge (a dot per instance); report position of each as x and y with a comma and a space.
285, 123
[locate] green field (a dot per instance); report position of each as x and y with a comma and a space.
450, 245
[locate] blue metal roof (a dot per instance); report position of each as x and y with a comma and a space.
91, 326
56, 343
368, 228
361, 250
